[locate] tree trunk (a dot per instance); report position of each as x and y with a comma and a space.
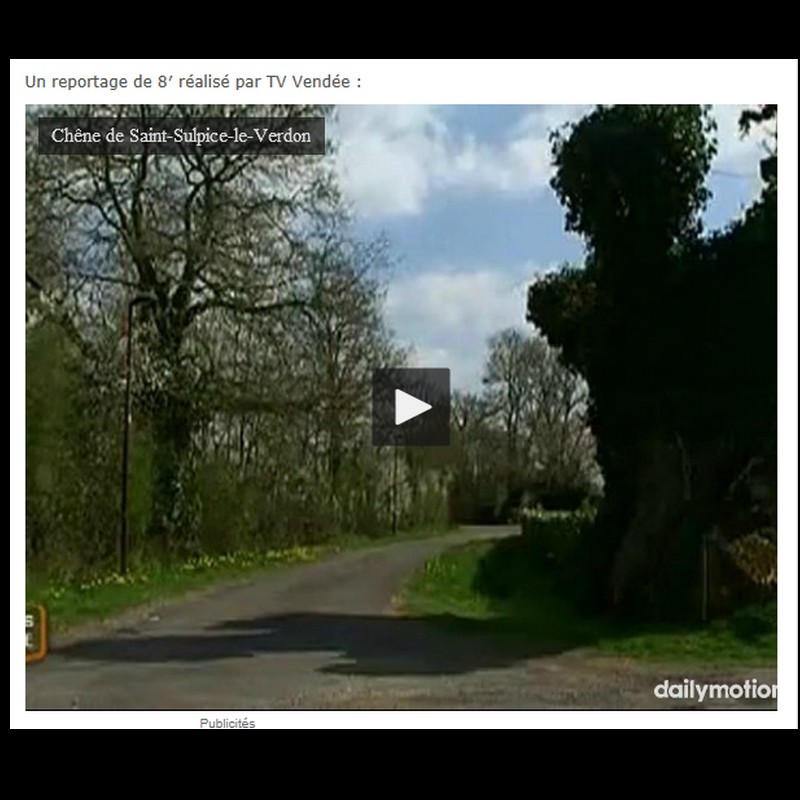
650, 562
171, 518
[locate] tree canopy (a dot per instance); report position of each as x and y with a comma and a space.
674, 332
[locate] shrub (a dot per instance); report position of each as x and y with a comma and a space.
553, 535
753, 621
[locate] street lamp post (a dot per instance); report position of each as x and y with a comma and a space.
394, 493
126, 424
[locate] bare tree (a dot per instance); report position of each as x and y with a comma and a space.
541, 409
559, 449
506, 382
200, 233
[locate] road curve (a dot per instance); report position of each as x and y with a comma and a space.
324, 636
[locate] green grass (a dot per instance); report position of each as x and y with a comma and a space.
494, 588
104, 595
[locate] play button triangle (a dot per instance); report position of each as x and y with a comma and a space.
406, 406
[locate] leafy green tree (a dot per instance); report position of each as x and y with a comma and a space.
765, 116
681, 395
631, 179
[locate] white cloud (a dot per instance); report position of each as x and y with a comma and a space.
447, 315
392, 158
385, 156
399, 156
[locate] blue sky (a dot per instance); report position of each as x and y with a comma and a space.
461, 193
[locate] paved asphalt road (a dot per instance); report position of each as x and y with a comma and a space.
326, 635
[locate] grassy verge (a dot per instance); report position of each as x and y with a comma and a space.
104, 595
492, 587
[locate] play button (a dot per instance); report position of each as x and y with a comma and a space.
406, 407
411, 406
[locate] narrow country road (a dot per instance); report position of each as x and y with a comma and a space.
326, 636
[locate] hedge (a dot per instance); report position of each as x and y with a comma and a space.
553, 535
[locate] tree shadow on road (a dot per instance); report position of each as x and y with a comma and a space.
358, 645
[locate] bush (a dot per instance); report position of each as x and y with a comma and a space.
71, 460
553, 535
754, 621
